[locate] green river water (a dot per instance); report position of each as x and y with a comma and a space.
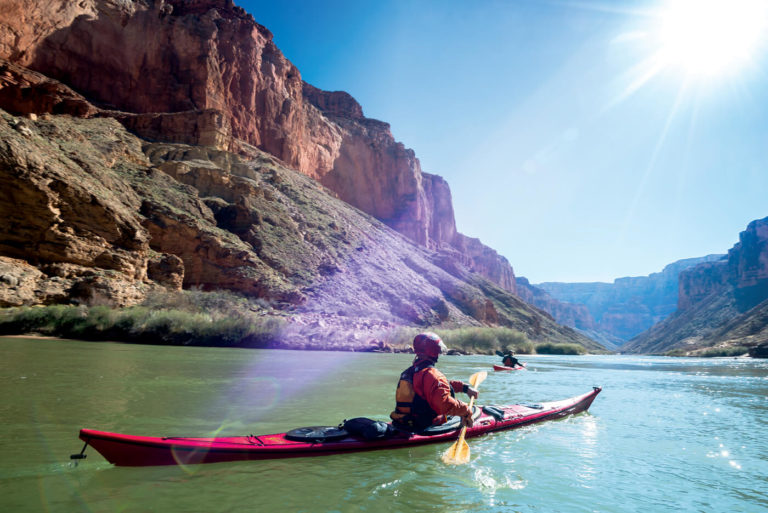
665, 435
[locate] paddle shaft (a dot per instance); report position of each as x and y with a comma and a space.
475, 381
464, 429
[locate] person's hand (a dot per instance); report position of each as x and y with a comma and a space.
471, 392
467, 420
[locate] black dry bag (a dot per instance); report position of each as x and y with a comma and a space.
367, 428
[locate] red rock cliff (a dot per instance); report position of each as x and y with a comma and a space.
175, 56
204, 72
748, 259
699, 282
380, 176
745, 270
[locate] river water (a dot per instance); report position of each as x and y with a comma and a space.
665, 435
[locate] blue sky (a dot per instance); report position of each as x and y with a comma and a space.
580, 139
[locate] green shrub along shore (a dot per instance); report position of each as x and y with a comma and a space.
140, 324
483, 340
206, 319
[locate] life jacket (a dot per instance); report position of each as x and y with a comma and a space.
412, 410
510, 361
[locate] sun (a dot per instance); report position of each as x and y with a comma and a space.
711, 37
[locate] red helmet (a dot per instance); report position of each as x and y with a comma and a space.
428, 344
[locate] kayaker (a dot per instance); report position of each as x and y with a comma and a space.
424, 395
508, 359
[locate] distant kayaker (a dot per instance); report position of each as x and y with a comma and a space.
424, 395
508, 360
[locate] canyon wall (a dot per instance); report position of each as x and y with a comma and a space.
745, 270
571, 314
625, 308
204, 72
721, 303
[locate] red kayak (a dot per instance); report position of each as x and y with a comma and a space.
149, 450
503, 368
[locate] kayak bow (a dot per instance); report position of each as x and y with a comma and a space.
130, 450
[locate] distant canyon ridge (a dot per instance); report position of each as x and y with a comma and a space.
171, 144
711, 302
613, 313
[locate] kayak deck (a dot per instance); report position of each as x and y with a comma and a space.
131, 450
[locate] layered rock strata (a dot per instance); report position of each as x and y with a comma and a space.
622, 309
745, 270
720, 303
204, 72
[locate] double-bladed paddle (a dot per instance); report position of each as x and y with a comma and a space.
458, 453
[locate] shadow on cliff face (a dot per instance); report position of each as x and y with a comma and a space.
748, 297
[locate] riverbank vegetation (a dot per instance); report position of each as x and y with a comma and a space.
196, 318
485, 340
224, 319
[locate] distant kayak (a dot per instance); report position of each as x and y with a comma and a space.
130, 450
503, 368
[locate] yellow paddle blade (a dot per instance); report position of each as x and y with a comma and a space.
477, 378
457, 454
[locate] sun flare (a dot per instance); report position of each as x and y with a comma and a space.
709, 37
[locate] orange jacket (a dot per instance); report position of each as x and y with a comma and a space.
434, 387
